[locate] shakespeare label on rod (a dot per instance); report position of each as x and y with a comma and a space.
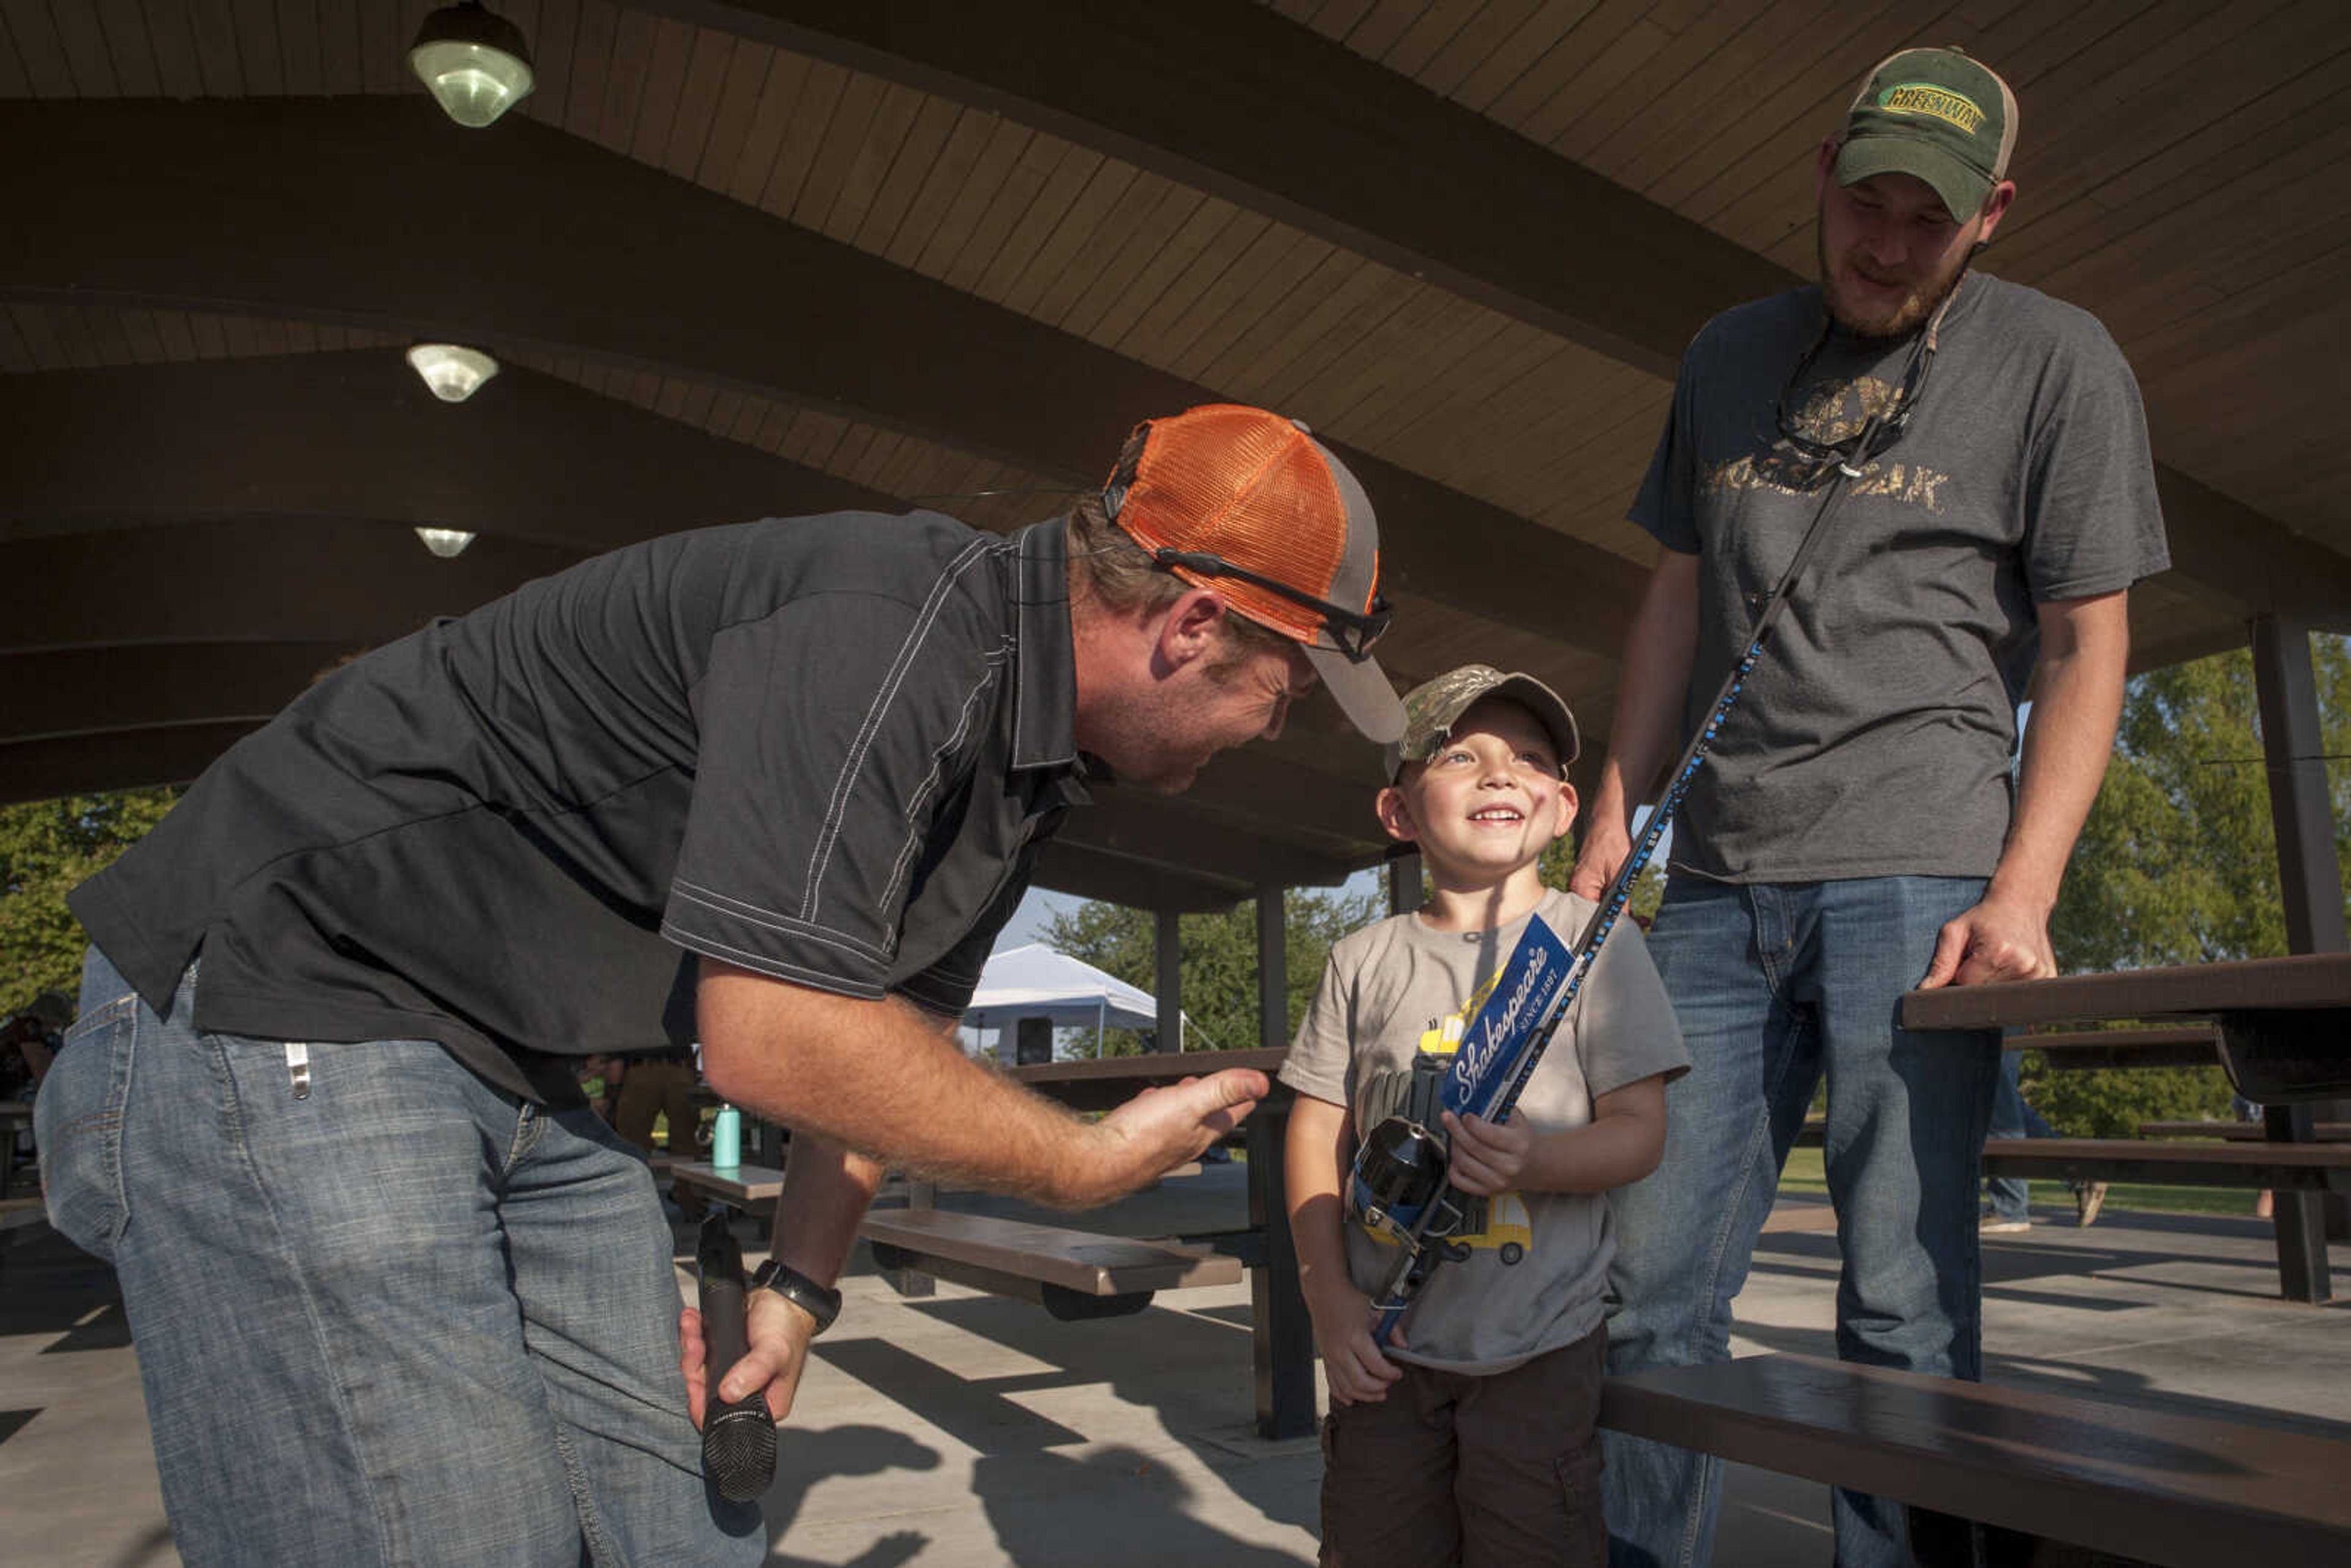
1514, 1008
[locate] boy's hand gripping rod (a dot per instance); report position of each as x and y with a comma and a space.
1421, 1244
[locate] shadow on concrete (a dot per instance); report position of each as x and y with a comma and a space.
1141, 1359
1060, 1511
805, 1457
48, 1286
155, 1546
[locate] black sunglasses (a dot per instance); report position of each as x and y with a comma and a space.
1352, 633
1880, 431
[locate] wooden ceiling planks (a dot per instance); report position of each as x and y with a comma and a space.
842, 149
1184, 281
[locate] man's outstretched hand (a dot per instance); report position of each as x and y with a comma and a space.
1160, 1129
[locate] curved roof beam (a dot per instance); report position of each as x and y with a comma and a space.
1233, 99
294, 208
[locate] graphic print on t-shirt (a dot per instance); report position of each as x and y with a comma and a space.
1833, 411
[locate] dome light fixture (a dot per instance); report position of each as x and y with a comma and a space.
453, 371
476, 64
445, 542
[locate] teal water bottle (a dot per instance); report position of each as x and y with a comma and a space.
727, 1137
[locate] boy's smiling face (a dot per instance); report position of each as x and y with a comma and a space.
1489, 801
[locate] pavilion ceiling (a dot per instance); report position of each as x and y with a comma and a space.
769, 257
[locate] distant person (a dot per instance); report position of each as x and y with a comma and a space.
29, 1043
1469, 1438
658, 1085
2008, 1210
397, 1296
1855, 831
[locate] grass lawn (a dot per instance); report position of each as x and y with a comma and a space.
1804, 1177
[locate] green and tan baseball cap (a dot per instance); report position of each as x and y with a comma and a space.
1937, 114
1433, 706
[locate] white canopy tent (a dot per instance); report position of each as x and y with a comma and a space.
1036, 981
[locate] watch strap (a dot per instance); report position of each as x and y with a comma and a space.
820, 1302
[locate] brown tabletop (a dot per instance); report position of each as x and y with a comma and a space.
1105, 1082
2308, 982
2285, 1039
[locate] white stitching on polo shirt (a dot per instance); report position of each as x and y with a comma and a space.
752, 915
990, 668
839, 805
696, 941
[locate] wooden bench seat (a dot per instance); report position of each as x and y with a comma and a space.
2164, 1489
2291, 1167
1071, 1274
2238, 1131
2077, 1050
741, 1186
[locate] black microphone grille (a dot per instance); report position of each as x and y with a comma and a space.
739, 1450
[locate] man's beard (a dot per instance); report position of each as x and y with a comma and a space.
1899, 322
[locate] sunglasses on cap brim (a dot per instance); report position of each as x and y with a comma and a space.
1351, 631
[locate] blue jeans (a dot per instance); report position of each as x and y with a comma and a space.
2012, 1118
1776, 985
393, 1317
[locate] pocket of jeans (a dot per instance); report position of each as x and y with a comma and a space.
77, 1118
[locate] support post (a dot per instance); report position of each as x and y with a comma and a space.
1167, 941
1283, 1344
1404, 883
2310, 880
2309, 875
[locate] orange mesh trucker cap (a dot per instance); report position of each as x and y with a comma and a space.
1247, 503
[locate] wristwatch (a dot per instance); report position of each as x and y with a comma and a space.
815, 1300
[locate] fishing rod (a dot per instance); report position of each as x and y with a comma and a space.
1399, 1188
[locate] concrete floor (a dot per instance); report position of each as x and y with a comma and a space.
964, 1429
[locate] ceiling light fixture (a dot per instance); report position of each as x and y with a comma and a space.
445, 542
452, 372
476, 64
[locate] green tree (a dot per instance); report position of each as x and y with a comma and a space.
46, 848
2178, 863
1218, 967
1648, 888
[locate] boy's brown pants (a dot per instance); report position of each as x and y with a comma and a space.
1500, 1471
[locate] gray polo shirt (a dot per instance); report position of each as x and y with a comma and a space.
1876, 737
823, 748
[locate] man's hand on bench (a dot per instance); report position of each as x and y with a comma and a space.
780, 1331
1160, 1129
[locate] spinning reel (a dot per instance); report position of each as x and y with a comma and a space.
1397, 1189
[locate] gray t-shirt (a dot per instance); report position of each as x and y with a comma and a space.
1533, 1280
1876, 735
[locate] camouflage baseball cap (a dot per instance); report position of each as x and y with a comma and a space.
1432, 708
1935, 114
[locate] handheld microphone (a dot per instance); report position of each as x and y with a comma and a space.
738, 1440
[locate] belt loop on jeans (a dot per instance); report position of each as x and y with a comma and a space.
297, 1068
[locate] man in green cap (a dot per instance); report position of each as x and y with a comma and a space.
1861, 826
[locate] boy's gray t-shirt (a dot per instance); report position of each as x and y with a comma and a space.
1535, 1274
1874, 736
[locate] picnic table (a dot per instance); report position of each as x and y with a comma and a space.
2284, 1036
1282, 1336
